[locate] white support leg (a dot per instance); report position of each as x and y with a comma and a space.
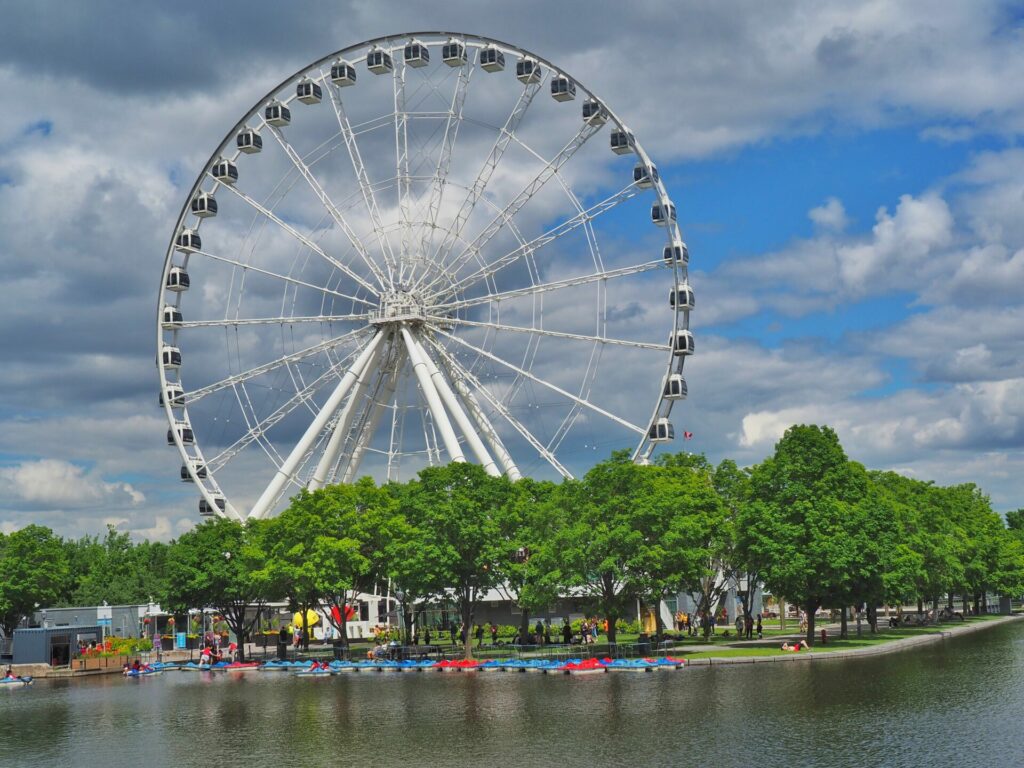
419, 367
473, 406
461, 419
269, 496
344, 423
377, 410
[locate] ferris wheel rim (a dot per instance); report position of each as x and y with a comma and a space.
663, 405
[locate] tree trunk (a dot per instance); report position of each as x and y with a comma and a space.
810, 608
920, 605
408, 619
844, 632
524, 626
966, 603
611, 618
949, 600
984, 602
977, 604
873, 619
466, 611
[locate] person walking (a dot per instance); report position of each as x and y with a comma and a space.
479, 635
453, 630
566, 631
759, 627
494, 633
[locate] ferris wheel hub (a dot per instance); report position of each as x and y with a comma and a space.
399, 306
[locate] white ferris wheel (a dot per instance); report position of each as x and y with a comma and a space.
407, 253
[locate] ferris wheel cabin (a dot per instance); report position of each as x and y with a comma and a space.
379, 61
677, 252
208, 511
249, 142
682, 343
681, 297
170, 357
453, 53
308, 92
175, 396
188, 241
528, 70
184, 432
343, 73
675, 387
198, 468
416, 54
204, 206
663, 215
491, 59
277, 114
171, 318
645, 176
661, 431
562, 88
622, 142
225, 171
594, 112
177, 280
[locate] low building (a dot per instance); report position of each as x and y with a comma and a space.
52, 645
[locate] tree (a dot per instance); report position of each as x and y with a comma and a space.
597, 548
218, 564
33, 572
683, 524
456, 508
526, 522
796, 525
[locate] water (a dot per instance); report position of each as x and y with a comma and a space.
957, 702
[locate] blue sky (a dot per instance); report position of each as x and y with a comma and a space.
848, 176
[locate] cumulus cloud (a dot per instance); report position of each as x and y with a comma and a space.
51, 483
830, 215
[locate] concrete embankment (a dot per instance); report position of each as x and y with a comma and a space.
892, 646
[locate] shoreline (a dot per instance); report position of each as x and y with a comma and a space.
893, 646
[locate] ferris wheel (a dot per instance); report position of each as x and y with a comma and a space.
419, 249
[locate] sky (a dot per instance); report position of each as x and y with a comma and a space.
848, 175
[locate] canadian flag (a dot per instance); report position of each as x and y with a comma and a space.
687, 435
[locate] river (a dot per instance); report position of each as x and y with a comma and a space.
958, 702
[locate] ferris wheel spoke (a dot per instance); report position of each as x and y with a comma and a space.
261, 426
525, 195
500, 408
536, 379
553, 334
554, 285
580, 219
402, 164
326, 201
283, 320
284, 278
303, 239
259, 370
451, 132
366, 188
483, 176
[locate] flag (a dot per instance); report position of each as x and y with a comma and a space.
687, 435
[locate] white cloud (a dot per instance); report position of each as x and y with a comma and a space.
50, 483
830, 215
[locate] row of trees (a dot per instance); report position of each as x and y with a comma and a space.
814, 527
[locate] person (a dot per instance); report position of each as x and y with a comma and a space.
479, 635
205, 656
137, 666
749, 624
585, 631
795, 647
566, 631
9, 673
593, 629
452, 630
759, 627
739, 626
297, 637
547, 631
538, 632
494, 633
426, 635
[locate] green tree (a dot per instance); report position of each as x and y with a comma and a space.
796, 525
218, 564
456, 507
598, 547
33, 572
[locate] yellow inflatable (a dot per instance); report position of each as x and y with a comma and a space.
312, 617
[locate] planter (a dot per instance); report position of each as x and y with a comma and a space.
191, 643
166, 643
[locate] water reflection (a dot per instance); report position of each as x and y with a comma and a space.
957, 702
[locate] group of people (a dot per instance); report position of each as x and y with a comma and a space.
214, 654
137, 666
694, 624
